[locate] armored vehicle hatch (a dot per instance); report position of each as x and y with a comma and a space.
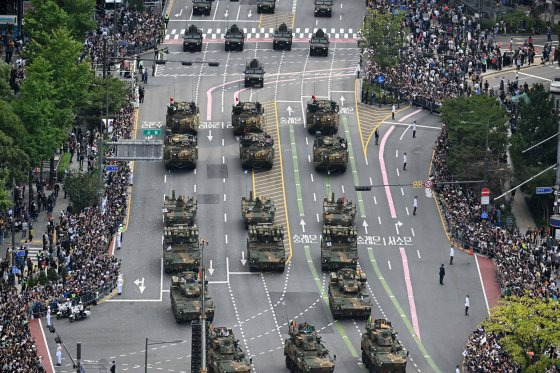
180, 210
381, 350
247, 117
192, 39
256, 150
224, 355
339, 247
202, 7
257, 210
348, 296
182, 117
235, 39
181, 251
265, 248
319, 44
266, 6
323, 8
338, 212
282, 38
322, 116
254, 74
186, 288
330, 153
305, 352
180, 151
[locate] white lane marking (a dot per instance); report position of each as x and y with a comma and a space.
226, 239
481, 283
314, 197
397, 153
306, 141
223, 159
195, 188
402, 191
412, 231
374, 200
409, 124
225, 197
398, 174
409, 115
343, 189
309, 157
222, 145
225, 217
165, 178
370, 181
379, 219
407, 128
536, 77
418, 252
312, 178
318, 220
408, 213
389, 263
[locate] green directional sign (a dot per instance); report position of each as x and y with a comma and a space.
152, 132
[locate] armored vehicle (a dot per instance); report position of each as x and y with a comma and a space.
202, 7
282, 38
381, 350
322, 116
330, 153
338, 212
319, 44
235, 39
186, 288
224, 355
247, 117
254, 74
180, 151
257, 210
181, 250
323, 8
192, 39
339, 247
267, 6
256, 150
265, 248
182, 117
305, 352
348, 296
180, 210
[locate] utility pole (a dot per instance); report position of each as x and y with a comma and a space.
100, 141
13, 213
557, 207
486, 155
78, 357
203, 308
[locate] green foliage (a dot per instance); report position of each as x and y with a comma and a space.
43, 280
52, 276
468, 121
5, 89
538, 122
81, 189
526, 324
383, 34
63, 166
514, 20
31, 281
381, 95
41, 20
95, 105
80, 16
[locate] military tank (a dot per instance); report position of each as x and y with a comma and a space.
257, 210
224, 355
348, 296
305, 352
180, 151
330, 153
322, 116
247, 117
256, 150
265, 248
339, 247
181, 250
382, 352
338, 212
186, 288
180, 210
182, 117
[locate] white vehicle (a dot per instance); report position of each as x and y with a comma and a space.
555, 85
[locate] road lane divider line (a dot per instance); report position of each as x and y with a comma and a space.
384, 172
411, 302
400, 310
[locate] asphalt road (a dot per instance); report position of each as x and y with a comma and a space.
399, 252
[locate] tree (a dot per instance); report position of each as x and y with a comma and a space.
527, 328
81, 189
80, 16
41, 20
95, 106
383, 34
5, 89
469, 120
538, 122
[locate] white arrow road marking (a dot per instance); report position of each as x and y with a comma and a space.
210, 268
342, 100
397, 225
226, 14
250, 13
302, 223
210, 137
179, 14
365, 225
243, 260
140, 284
290, 110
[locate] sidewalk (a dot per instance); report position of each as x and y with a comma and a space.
520, 210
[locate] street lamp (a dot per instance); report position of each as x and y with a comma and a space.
150, 342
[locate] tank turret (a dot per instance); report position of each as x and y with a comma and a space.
305, 352
381, 349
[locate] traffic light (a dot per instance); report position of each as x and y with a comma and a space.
362, 187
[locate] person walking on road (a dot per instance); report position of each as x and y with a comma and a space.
145, 77
414, 129
113, 367
120, 284
404, 162
467, 305
376, 136
393, 110
49, 316
451, 255
414, 205
58, 355
441, 274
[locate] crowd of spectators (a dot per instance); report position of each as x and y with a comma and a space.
75, 244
